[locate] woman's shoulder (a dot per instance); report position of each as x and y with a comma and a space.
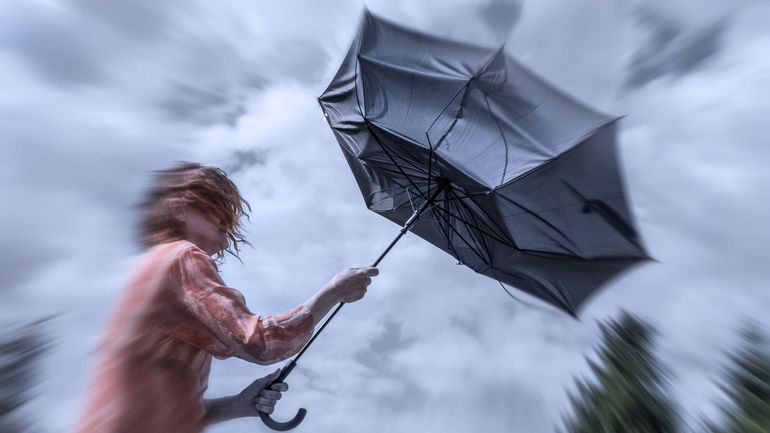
175, 248
165, 255
189, 256
172, 262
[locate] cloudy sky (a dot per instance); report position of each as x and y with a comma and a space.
94, 94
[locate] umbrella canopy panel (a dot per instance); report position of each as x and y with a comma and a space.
535, 197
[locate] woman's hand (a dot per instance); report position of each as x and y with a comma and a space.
350, 285
257, 398
253, 399
347, 286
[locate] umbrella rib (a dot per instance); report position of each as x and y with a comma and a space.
430, 165
427, 134
564, 206
485, 229
355, 79
559, 300
541, 219
390, 170
469, 224
407, 161
455, 118
495, 224
397, 189
457, 255
387, 130
460, 197
431, 150
462, 238
431, 157
483, 232
551, 160
382, 145
528, 304
400, 187
445, 229
545, 293
534, 253
502, 134
492, 227
518, 129
430, 168
390, 151
480, 243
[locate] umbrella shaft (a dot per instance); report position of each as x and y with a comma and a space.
407, 225
410, 222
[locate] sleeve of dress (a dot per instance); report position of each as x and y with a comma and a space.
213, 317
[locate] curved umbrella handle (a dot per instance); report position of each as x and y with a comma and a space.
298, 418
284, 426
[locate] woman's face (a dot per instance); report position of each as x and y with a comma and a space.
207, 235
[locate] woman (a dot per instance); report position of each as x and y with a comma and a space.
176, 313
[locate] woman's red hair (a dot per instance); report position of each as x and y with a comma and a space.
206, 189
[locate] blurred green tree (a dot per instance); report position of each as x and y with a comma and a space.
21, 348
627, 393
747, 386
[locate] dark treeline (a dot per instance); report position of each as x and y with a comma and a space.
629, 393
21, 349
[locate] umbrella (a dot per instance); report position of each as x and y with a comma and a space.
477, 155
534, 195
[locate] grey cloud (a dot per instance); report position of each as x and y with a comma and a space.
59, 48
517, 408
390, 341
466, 324
245, 159
301, 60
217, 92
76, 43
501, 16
670, 49
137, 20
226, 74
404, 399
202, 106
664, 28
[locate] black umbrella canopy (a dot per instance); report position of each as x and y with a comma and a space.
533, 194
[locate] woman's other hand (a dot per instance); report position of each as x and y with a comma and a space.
254, 399
258, 398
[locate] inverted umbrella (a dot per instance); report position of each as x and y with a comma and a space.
472, 152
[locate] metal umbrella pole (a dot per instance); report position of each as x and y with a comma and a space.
287, 369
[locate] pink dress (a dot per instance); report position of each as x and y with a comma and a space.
155, 358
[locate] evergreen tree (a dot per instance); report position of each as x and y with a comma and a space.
747, 385
627, 394
20, 351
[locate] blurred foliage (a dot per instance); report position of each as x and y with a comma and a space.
747, 386
627, 393
21, 348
